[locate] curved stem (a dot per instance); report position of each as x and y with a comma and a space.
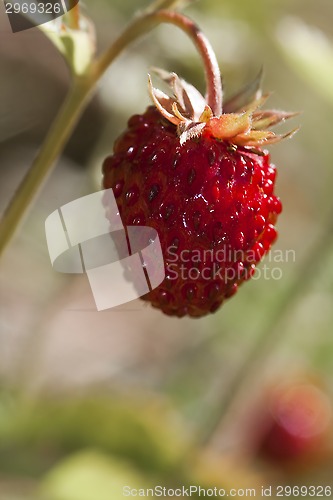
212, 71
81, 90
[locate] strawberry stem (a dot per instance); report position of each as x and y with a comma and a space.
74, 16
81, 91
212, 71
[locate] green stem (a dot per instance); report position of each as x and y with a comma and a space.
42, 166
78, 96
74, 17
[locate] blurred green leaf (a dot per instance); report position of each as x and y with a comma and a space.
90, 475
76, 46
309, 52
33, 436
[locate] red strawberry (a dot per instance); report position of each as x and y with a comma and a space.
204, 184
296, 425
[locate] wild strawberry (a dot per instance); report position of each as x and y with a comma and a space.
296, 425
205, 185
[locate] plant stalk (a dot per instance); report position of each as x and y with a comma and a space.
81, 91
74, 16
42, 166
212, 71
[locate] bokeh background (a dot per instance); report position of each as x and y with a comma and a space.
90, 402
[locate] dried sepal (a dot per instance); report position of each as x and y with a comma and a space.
206, 115
270, 118
190, 131
246, 126
162, 102
259, 101
189, 100
254, 138
248, 94
257, 138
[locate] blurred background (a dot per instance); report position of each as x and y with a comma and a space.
92, 401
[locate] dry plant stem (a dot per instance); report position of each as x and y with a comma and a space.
77, 98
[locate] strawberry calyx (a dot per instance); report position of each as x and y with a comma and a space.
244, 124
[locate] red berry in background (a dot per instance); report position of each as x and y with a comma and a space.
296, 426
204, 183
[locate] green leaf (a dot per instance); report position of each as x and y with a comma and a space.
77, 46
143, 432
90, 475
